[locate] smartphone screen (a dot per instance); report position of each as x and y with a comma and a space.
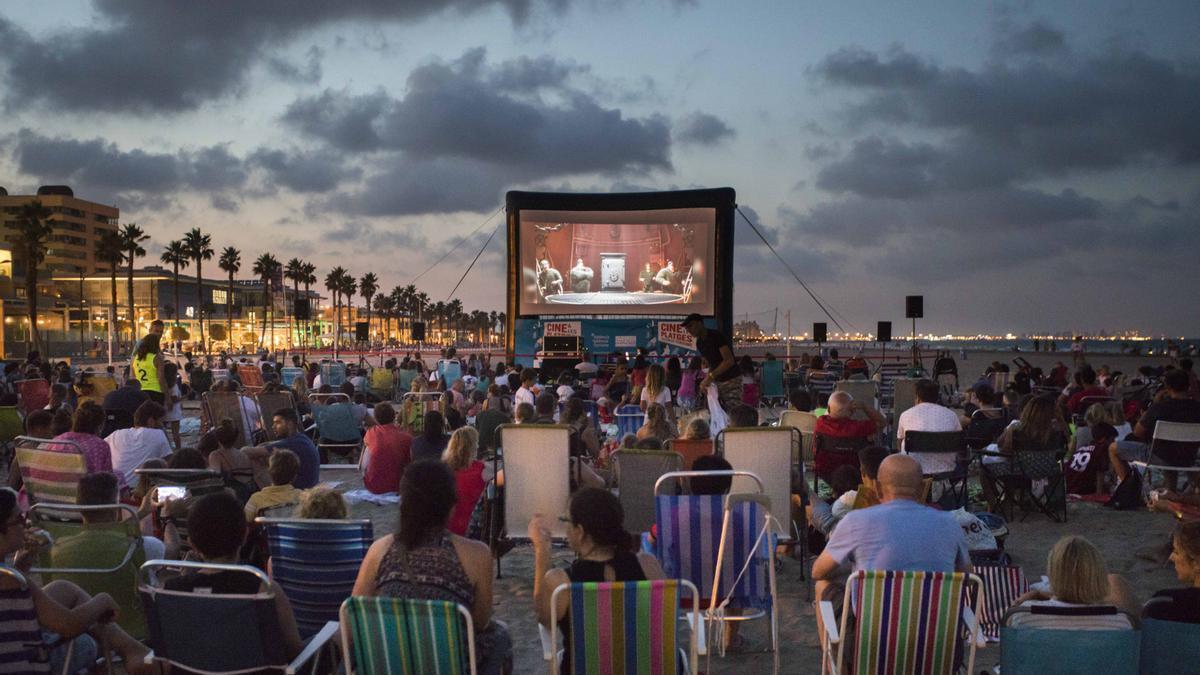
167, 493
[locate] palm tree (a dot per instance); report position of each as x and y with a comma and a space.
348, 288
231, 263
368, 286
293, 271
333, 284
176, 256
132, 237
109, 252
308, 277
199, 248
265, 268
32, 232
385, 305
454, 310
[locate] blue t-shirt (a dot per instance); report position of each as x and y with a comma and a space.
310, 460
901, 536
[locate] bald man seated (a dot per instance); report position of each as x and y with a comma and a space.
900, 534
842, 422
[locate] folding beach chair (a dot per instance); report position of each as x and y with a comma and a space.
228, 405
11, 426
773, 392
316, 563
636, 473
1002, 585
486, 423
537, 467
804, 422
691, 531
936, 450
50, 470
19, 601
396, 635
415, 405
220, 633
32, 395
268, 405
1167, 645
999, 380
76, 557
903, 623
1032, 480
1025, 651
904, 396
288, 375
333, 373
625, 627
860, 390
767, 453
629, 420
115, 420
102, 385
338, 430
823, 383
1175, 433
887, 373
689, 450
449, 371
985, 427
830, 452
251, 377
381, 384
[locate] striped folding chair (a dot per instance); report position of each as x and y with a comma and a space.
225, 404
625, 627
629, 420
268, 405
316, 563
333, 373
1002, 584
691, 532
396, 635
32, 395
903, 623
50, 470
288, 375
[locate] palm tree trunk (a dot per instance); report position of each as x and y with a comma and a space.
266, 298
132, 309
31, 300
112, 314
200, 304
229, 313
176, 288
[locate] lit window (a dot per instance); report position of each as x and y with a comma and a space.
219, 297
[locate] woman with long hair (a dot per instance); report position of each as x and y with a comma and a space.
604, 551
1180, 604
469, 476
674, 375
575, 416
656, 390
423, 560
657, 426
1078, 578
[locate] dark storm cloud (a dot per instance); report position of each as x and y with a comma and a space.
372, 236
878, 167
1036, 38
345, 122
100, 166
703, 129
411, 187
170, 57
298, 171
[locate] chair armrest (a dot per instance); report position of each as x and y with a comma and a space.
314, 646
547, 648
973, 628
830, 622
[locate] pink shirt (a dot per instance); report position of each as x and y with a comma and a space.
97, 456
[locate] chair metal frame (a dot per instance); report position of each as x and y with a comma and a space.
1179, 432
313, 647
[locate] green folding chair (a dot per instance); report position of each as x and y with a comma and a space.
396, 635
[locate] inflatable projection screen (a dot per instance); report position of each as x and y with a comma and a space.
640, 254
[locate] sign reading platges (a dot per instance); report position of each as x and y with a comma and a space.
675, 334
563, 329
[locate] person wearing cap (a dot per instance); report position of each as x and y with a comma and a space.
717, 349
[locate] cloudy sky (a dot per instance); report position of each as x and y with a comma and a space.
1025, 166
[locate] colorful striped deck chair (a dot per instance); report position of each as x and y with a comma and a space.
416, 404
395, 635
316, 563
269, 404
251, 377
625, 627
288, 375
50, 469
221, 633
1002, 584
333, 373
887, 373
904, 623
823, 383
32, 395
629, 420
226, 404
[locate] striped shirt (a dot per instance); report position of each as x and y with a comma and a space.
1068, 622
21, 646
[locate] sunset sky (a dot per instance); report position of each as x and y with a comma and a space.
1027, 166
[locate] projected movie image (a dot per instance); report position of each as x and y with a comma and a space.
617, 262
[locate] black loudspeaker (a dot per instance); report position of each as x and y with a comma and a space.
914, 306
884, 332
361, 332
820, 332
301, 310
418, 331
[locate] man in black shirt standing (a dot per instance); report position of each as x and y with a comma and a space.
717, 349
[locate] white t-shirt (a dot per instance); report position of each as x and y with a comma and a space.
132, 447
565, 391
523, 395
929, 417
664, 397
